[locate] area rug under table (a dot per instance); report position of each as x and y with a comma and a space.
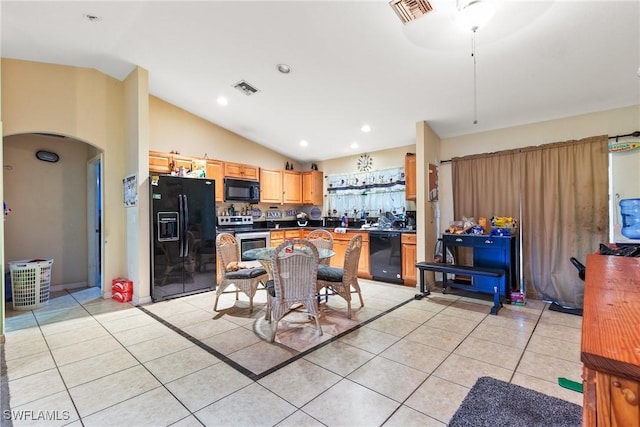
492, 402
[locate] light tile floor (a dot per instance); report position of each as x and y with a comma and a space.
95, 362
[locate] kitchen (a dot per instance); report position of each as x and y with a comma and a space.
264, 207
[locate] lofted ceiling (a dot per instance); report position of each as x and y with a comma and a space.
352, 63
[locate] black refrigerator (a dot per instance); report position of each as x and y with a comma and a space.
183, 230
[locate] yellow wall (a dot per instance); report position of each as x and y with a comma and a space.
383, 159
172, 128
83, 104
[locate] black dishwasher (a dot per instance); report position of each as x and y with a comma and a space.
385, 256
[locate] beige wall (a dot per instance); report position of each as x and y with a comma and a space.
172, 128
383, 159
49, 205
83, 104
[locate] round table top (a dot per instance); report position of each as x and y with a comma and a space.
264, 254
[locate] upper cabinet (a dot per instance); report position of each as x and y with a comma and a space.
410, 176
159, 162
291, 187
182, 162
238, 170
215, 171
270, 185
312, 182
280, 186
277, 186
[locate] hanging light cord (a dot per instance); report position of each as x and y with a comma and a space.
475, 77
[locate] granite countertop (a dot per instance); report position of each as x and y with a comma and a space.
402, 230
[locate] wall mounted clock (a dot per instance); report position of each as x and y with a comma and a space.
365, 162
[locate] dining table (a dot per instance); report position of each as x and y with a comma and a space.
263, 255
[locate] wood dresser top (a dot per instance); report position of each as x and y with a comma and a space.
611, 316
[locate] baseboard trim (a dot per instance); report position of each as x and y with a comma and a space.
66, 286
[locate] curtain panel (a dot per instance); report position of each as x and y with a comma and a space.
559, 193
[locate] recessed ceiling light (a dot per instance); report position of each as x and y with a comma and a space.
354, 145
222, 100
303, 143
91, 17
284, 68
365, 128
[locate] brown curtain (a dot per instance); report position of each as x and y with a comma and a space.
565, 214
562, 191
485, 185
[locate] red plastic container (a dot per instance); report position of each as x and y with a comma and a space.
121, 289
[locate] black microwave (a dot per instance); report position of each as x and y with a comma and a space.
240, 190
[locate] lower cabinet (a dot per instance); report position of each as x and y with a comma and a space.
277, 238
610, 400
340, 243
409, 259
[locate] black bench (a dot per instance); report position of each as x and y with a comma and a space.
499, 288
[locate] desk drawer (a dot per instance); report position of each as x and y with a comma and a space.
458, 240
491, 242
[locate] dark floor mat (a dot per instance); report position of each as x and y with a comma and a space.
492, 402
568, 310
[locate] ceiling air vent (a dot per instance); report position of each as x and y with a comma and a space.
245, 88
409, 10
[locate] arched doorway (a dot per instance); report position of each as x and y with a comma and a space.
56, 206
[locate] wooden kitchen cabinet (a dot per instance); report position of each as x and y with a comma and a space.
277, 238
280, 236
242, 171
215, 171
609, 349
409, 258
312, 191
292, 234
410, 188
291, 187
280, 186
364, 270
159, 162
182, 161
270, 186
340, 243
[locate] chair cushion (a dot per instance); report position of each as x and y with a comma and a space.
271, 288
246, 273
330, 274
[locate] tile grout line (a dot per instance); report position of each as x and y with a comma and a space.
127, 350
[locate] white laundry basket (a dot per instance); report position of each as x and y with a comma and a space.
30, 283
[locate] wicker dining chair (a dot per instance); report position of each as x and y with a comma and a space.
343, 281
294, 279
246, 280
323, 240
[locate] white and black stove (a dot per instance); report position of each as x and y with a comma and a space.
242, 227
235, 223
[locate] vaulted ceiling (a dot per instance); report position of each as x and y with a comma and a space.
352, 63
